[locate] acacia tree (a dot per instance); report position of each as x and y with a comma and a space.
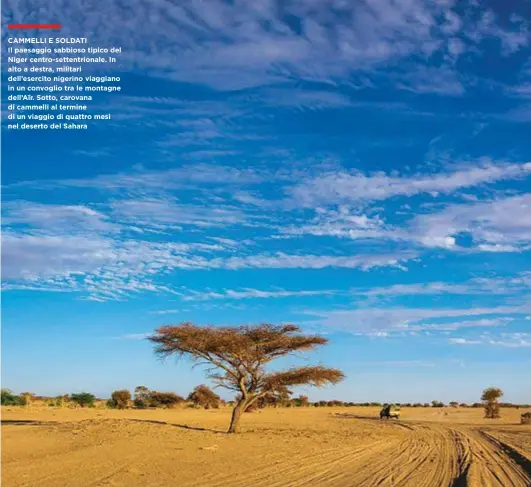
490, 398
237, 356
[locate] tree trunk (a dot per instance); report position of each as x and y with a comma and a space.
236, 415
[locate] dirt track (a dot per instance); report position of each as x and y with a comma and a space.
276, 448
432, 454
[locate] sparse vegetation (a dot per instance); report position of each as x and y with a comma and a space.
146, 398
142, 397
278, 398
83, 399
237, 357
204, 397
10, 399
301, 401
120, 399
164, 399
28, 397
490, 398
525, 418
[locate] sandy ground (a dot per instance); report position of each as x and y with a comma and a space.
277, 447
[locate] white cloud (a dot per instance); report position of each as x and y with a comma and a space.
283, 260
252, 294
60, 217
111, 268
393, 319
207, 42
485, 221
145, 182
507, 340
165, 213
464, 341
475, 286
342, 187
488, 223
456, 325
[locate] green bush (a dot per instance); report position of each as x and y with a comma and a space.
10, 399
83, 399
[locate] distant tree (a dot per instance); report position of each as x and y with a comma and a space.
164, 399
10, 399
61, 400
454, 404
241, 354
120, 399
83, 399
490, 398
301, 401
277, 398
142, 397
437, 404
204, 397
28, 397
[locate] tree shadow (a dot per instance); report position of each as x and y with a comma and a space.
182, 426
22, 422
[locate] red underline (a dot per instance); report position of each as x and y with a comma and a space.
34, 26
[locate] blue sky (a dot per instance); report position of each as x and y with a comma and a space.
361, 169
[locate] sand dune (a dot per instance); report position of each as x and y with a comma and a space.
277, 447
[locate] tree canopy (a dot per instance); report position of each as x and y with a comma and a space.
491, 394
237, 356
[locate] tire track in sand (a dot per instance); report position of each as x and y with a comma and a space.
436, 455
424, 455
